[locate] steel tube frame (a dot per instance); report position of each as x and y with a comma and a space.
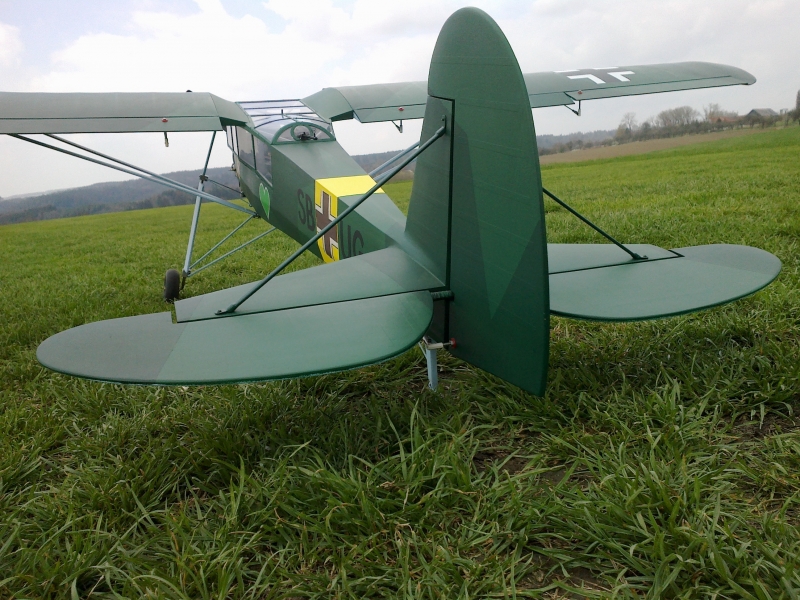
187, 267
227, 187
593, 226
227, 254
157, 179
222, 241
439, 133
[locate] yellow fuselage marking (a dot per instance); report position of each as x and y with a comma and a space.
336, 187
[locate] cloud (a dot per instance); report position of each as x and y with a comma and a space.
241, 58
209, 50
10, 45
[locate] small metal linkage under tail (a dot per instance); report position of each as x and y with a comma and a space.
430, 348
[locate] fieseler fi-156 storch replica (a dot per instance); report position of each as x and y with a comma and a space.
469, 268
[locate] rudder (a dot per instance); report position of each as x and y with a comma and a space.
483, 227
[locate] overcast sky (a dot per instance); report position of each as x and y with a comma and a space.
252, 50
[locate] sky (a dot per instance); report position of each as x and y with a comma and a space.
255, 50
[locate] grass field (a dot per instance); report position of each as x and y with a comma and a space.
643, 147
664, 460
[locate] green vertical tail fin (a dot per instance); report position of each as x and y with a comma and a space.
476, 209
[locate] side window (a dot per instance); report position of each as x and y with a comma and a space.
230, 134
264, 160
245, 146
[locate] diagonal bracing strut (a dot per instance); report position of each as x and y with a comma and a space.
152, 177
593, 226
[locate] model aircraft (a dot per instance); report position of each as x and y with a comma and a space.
469, 269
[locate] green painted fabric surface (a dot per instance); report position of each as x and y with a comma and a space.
379, 273
496, 252
704, 276
150, 349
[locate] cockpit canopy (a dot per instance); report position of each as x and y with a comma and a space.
287, 122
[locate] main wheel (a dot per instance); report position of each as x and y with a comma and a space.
172, 285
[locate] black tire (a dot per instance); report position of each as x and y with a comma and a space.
172, 285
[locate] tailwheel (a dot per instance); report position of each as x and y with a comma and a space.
172, 285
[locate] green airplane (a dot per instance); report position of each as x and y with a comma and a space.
469, 269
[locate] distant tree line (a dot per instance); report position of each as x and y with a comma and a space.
685, 120
674, 122
555, 144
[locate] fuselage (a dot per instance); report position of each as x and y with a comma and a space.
297, 177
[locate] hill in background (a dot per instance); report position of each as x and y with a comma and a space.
113, 197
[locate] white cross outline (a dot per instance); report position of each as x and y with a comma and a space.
618, 75
621, 75
594, 78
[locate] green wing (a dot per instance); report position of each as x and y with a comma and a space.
371, 103
116, 112
333, 317
395, 101
564, 87
200, 111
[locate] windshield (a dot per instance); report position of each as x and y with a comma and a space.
283, 131
287, 121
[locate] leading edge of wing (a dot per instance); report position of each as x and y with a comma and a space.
406, 100
299, 342
22, 113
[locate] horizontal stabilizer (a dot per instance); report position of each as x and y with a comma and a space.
693, 279
116, 112
379, 273
576, 257
151, 349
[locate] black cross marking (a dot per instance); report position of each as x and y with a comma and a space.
331, 239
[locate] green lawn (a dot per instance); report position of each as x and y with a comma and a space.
664, 460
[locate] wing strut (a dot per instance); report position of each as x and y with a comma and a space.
152, 177
377, 170
196, 215
593, 226
382, 181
